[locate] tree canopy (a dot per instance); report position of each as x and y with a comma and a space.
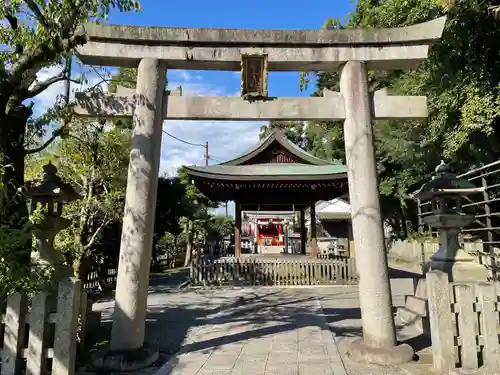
36, 35
461, 80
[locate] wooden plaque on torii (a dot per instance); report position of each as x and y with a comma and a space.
254, 76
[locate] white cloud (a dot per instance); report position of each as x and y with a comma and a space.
47, 98
226, 139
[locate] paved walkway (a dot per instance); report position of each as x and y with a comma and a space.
271, 331
254, 331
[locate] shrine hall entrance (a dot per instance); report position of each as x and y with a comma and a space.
273, 176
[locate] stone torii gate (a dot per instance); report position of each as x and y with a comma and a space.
353, 52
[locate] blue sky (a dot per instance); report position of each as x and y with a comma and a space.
226, 139
255, 14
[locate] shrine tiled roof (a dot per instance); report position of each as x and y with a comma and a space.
277, 136
269, 171
326, 216
306, 166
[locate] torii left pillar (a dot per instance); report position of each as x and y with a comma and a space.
127, 351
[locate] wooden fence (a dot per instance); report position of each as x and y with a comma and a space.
92, 282
36, 342
255, 271
464, 322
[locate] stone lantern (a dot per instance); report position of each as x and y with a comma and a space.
51, 192
445, 192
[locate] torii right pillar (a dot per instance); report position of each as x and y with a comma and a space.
374, 288
379, 344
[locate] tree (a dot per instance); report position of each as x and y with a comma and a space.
36, 34
94, 160
198, 216
15, 276
168, 245
460, 79
219, 226
97, 163
171, 206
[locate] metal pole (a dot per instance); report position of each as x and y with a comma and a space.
489, 233
206, 154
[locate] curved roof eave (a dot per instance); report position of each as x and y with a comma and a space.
280, 137
270, 172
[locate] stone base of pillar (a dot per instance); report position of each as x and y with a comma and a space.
124, 361
361, 352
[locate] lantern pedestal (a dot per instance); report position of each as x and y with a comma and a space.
46, 259
46, 255
458, 271
50, 193
451, 258
445, 194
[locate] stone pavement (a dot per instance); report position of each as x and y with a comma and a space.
341, 311
266, 330
271, 331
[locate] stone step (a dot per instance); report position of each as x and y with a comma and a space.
416, 304
421, 290
419, 322
425, 355
407, 315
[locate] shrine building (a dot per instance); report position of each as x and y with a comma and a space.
274, 176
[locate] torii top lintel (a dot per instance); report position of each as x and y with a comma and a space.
287, 50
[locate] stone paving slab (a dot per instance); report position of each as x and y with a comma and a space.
341, 311
271, 331
253, 331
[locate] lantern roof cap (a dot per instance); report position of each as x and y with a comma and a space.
445, 182
51, 186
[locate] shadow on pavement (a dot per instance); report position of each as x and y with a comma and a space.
250, 313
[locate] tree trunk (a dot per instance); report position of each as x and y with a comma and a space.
77, 265
189, 244
404, 226
14, 211
155, 263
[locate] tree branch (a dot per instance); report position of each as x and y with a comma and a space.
42, 54
42, 86
14, 24
495, 10
38, 13
71, 20
96, 234
55, 134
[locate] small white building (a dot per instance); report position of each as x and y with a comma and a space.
333, 226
